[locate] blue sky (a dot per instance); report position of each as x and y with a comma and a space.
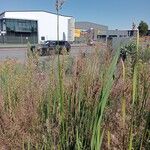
117, 14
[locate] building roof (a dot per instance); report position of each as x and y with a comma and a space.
34, 11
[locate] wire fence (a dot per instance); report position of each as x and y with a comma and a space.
18, 40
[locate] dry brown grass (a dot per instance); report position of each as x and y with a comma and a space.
29, 103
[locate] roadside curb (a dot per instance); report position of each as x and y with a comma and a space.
12, 46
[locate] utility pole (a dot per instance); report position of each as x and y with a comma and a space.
59, 4
57, 10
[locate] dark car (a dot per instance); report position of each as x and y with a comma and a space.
50, 47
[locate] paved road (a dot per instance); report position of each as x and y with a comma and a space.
13, 53
20, 53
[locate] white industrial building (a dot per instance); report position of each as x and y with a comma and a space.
35, 24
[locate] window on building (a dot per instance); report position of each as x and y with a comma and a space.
17, 25
101, 36
43, 38
131, 33
18, 29
111, 36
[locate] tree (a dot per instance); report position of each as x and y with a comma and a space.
143, 28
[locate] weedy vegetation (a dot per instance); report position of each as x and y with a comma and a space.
90, 102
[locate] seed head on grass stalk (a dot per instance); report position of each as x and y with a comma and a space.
58, 6
134, 90
123, 107
60, 89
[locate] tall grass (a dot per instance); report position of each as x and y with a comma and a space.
90, 102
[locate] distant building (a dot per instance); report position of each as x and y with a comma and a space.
99, 32
119, 33
88, 30
34, 26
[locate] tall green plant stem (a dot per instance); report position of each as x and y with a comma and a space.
59, 70
134, 90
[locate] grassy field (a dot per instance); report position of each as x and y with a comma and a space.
85, 103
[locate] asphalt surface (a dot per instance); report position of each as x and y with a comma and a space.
21, 53
13, 53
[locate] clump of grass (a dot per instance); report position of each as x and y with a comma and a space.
83, 103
